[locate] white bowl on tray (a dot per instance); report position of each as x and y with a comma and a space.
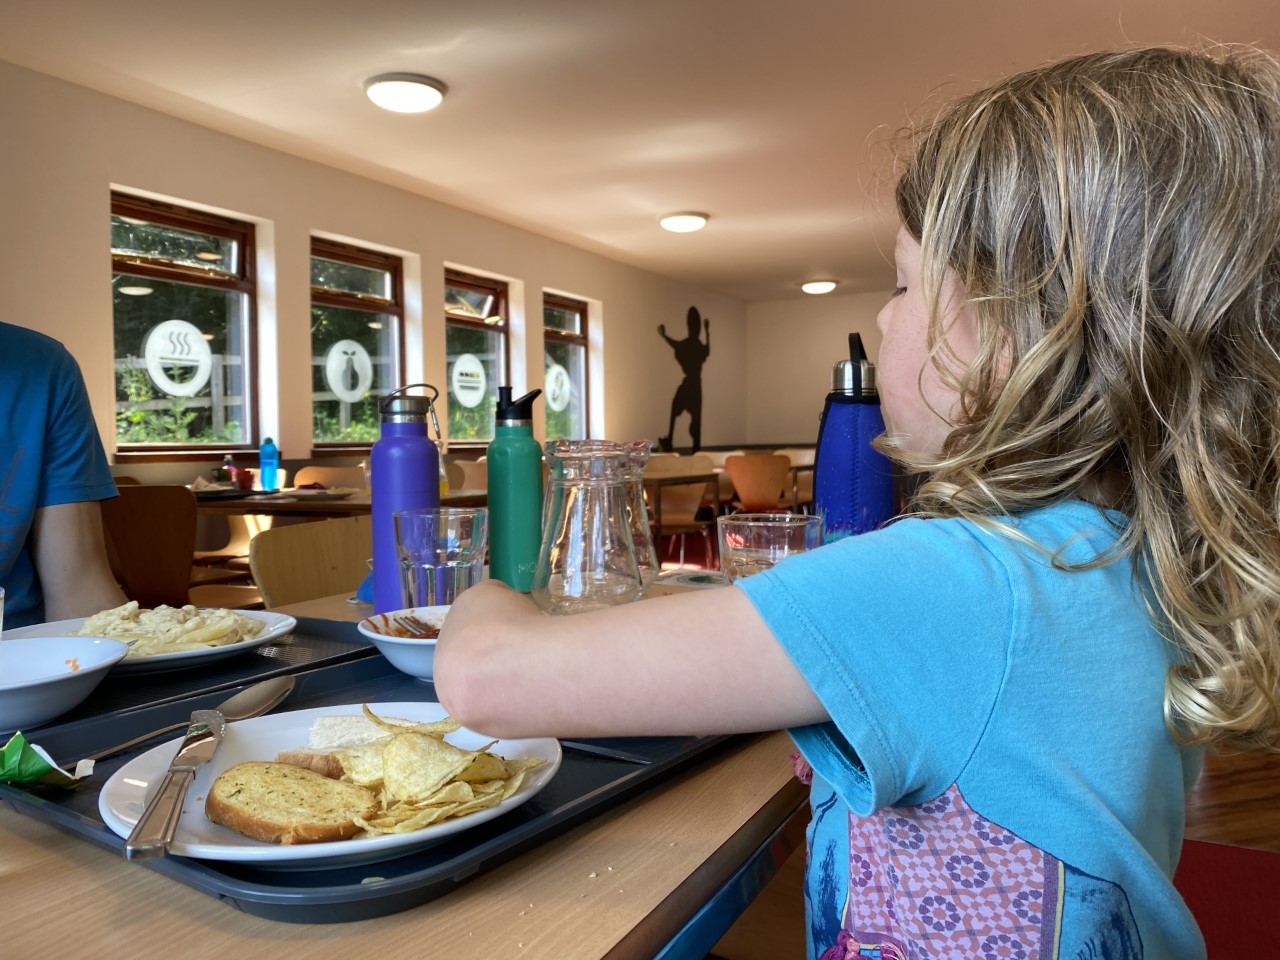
412, 655
44, 677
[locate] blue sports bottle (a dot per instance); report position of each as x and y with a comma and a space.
853, 484
268, 465
404, 474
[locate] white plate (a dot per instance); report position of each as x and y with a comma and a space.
125, 795
277, 625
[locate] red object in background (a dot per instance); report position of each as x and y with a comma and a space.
244, 478
1232, 892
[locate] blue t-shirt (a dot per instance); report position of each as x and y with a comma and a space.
52, 455
996, 779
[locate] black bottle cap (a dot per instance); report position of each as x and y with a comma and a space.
521, 409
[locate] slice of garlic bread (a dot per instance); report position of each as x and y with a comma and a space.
282, 803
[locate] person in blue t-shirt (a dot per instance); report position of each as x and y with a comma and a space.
53, 564
1002, 699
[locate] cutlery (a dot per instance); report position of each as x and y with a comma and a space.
154, 830
419, 629
252, 701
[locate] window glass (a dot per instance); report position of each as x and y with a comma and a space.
182, 310
355, 340
476, 353
565, 357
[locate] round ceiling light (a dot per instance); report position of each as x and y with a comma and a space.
686, 222
818, 286
405, 92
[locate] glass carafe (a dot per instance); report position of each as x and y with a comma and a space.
587, 559
638, 512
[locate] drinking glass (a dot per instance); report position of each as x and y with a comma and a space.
751, 542
441, 553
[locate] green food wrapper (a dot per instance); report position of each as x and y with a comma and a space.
22, 762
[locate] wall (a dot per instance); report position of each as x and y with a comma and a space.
792, 345
64, 147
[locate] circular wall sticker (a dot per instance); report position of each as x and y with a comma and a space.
177, 345
467, 381
559, 387
348, 371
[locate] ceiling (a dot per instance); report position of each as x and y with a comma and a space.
585, 120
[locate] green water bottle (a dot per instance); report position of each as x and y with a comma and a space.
514, 465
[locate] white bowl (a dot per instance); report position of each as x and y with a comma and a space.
416, 657
43, 677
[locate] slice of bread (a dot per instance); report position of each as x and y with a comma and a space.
325, 764
282, 803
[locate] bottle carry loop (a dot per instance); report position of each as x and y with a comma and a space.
385, 404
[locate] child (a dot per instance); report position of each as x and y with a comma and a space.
1004, 697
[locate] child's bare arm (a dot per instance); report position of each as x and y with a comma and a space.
697, 663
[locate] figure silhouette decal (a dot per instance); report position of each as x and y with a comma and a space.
691, 354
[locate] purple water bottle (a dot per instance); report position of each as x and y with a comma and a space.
404, 474
853, 485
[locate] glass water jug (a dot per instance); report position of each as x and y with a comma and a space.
587, 558
637, 511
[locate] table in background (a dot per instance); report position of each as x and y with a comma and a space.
354, 505
678, 480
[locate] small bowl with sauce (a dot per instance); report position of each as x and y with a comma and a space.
44, 677
397, 637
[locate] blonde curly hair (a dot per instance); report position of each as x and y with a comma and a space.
1115, 221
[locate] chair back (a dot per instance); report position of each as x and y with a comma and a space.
475, 474
680, 502
330, 476
151, 531
305, 561
454, 474
762, 481
801, 457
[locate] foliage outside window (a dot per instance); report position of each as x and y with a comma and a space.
475, 311
565, 359
356, 335
183, 312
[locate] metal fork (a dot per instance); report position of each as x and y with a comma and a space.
415, 626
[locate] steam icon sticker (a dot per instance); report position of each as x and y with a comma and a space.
178, 358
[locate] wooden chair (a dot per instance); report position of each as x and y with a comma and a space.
234, 554
762, 481
680, 503
330, 476
718, 457
151, 539
475, 474
801, 480
304, 561
454, 474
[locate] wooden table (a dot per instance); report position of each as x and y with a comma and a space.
678, 480
619, 886
356, 504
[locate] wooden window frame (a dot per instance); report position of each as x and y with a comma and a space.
368, 303
498, 289
562, 302
243, 281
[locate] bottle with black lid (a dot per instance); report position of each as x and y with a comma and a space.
514, 466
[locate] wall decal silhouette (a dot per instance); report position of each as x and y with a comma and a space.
691, 354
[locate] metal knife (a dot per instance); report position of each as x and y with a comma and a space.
154, 831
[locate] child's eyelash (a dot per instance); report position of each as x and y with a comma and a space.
899, 291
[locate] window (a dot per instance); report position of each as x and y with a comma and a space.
565, 357
357, 317
475, 313
183, 304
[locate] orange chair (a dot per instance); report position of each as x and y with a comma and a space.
763, 482
151, 539
679, 503
801, 480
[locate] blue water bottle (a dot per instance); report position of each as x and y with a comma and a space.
269, 465
853, 485
404, 474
